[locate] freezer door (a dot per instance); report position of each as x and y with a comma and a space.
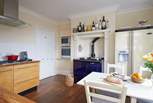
142, 44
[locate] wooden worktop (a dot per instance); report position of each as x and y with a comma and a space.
8, 97
18, 63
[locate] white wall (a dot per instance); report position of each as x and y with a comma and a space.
25, 38
85, 44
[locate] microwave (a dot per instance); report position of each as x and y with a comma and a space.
66, 41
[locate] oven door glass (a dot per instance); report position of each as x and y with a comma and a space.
66, 52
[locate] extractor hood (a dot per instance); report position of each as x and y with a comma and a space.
9, 13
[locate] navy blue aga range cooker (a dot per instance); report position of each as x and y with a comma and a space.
83, 67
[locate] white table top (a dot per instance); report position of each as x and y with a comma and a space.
141, 91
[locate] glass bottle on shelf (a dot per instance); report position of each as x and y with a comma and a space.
93, 26
96, 25
83, 28
80, 27
103, 23
100, 24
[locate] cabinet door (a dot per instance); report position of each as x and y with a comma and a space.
93, 67
142, 45
79, 70
6, 78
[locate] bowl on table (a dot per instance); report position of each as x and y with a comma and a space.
137, 78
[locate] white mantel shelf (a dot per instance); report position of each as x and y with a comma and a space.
96, 33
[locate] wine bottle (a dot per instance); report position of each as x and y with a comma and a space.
96, 25
100, 25
80, 27
93, 26
104, 23
83, 28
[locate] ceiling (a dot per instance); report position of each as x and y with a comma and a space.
60, 10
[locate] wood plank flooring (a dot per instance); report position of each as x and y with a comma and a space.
53, 90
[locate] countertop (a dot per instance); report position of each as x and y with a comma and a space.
18, 63
7, 97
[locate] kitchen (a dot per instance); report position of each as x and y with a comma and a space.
41, 38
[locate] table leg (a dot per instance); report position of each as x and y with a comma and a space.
133, 100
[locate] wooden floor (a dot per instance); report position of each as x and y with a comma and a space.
53, 90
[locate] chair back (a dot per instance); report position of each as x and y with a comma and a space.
115, 68
118, 90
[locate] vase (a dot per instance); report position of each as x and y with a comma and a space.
69, 81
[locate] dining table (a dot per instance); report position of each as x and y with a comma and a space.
135, 91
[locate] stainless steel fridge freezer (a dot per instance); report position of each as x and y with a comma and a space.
131, 46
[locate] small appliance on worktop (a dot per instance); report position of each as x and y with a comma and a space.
13, 59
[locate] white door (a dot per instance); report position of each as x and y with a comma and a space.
46, 53
142, 44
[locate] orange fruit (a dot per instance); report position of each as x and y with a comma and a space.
136, 76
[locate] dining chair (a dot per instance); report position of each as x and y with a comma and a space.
115, 68
94, 97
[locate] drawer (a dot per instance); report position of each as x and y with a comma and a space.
25, 72
28, 65
6, 68
22, 86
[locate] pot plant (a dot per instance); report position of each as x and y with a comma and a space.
149, 62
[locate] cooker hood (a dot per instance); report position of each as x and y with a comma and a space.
9, 10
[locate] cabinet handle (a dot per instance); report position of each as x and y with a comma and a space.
92, 63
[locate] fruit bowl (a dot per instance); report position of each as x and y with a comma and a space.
137, 78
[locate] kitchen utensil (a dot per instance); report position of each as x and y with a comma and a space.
12, 57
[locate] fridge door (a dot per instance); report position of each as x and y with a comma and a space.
122, 51
142, 44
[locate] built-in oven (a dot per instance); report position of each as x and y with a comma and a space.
66, 52
66, 41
